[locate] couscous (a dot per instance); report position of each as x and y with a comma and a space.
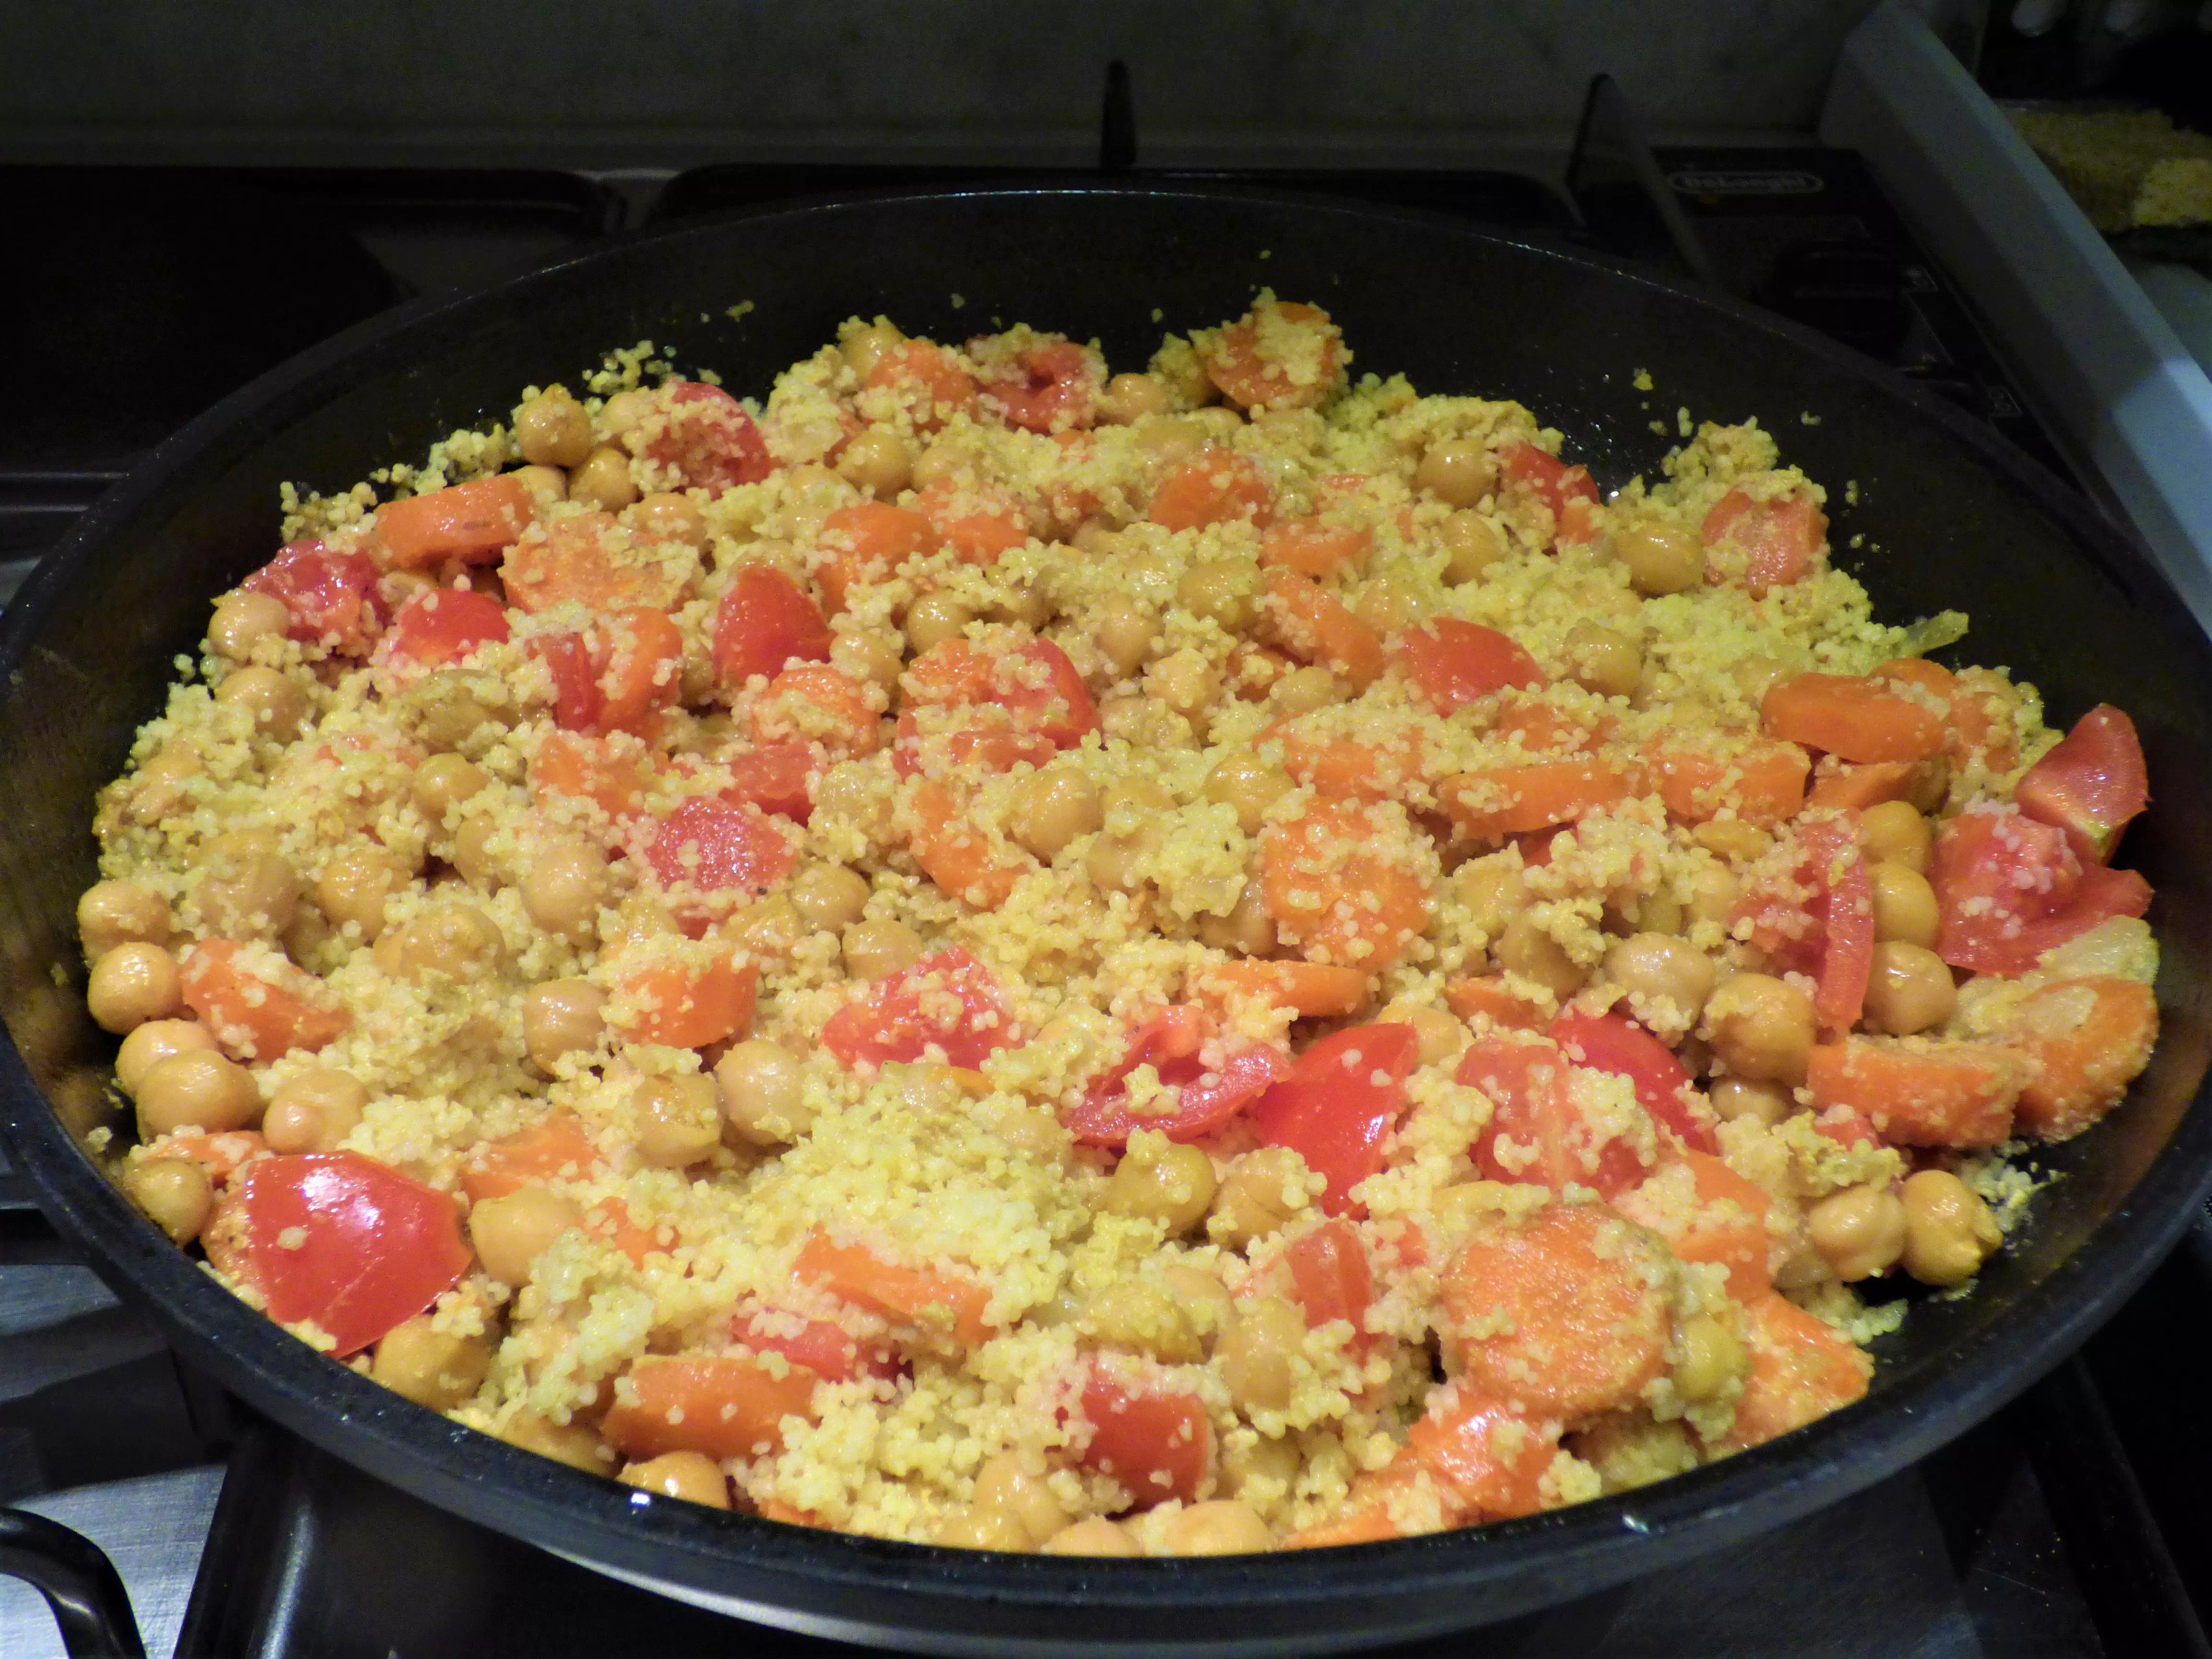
1189, 961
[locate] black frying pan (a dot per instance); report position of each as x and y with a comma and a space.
1944, 516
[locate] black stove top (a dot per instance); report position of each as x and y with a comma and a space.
2071, 1524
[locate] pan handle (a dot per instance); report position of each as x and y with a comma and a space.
80, 1583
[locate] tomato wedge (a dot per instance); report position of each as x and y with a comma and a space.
2091, 784
821, 1345
997, 708
341, 1241
1820, 921
1613, 1043
1569, 491
709, 440
949, 1002
2008, 888
1052, 392
1456, 663
333, 597
1207, 1096
1342, 1096
445, 625
715, 847
1537, 1131
1157, 1444
765, 622
1330, 1278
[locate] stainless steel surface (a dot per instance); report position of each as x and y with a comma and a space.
153, 1528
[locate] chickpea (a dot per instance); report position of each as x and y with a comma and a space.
472, 853
113, 913
546, 485
1661, 557
174, 1193
1127, 631
576, 1444
1459, 470
354, 887
429, 1366
149, 1044
1093, 1535
1755, 676
1859, 1231
934, 618
1761, 1028
1054, 807
1713, 890
1439, 1034
1186, 683
132, 984
1221, 1526
1222, 591
1116, 859
1132, 397
1524, 948
1258, 1355
679, 1119
1260, 1191
1472, 544
1711, 1354
830, 897
602, 481
1248, 784
196, 1089
442, 782
768, 927
1008, 1487
939, 464
1909, 989
1742, 1096
864, 348
314, 1110
1494, 891
447, 710
162, 782
1390, 605
242, 621
1930, 785
871, 658
1136, 1316
1303, 690
1667, 979
1204, 1299
762, 1088
565, 887
1948, 1230
1895, 833
456, 942
1904, 908
878, 463
1247, 930
562, 1017
1272, 1462
278, 705
552, 429
877, 949
512, 1231
246, 892
1032, 607
1158, 1181
1603, 660
975, 1530
692, 1476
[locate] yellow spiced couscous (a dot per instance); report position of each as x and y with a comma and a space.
1184, 962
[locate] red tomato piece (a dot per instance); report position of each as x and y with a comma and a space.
709, 440
1613, 1043
1780, 540
1457, 663
716, 847
765, 622
577, 694
2091, 784
1820, 921
1569, 491
1537, 1133
1207, 1096
776, 777
2008, 888
445, 625
1055, 392
333, 597
948, 1002
1330, 1278
1342, 1096
342, 1240
1158, 1444
1025, 705
822, 1347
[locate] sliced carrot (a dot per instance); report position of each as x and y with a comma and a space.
1562, 1314
1775, 542
775, 1509
1707, 1213
931, 384
944, 1307
1402, 1499
1310, 625
1283, 355
555, 1149
1917, 1091
2086, 1040
1315, 547
977, 525
1311, 990
220, 1155
723, 1405
1801, 1369
1485, 1000
1981, 702
1217, 486
613, 772
609, 1219
1868, 783
257, 1004
955, 854
1342, 769
1763, 785
1511, 800
470, 522
1337, 888
1540, 728
1492, 1457
813, 702
865, 542
644, 671
1851, 716
584, 559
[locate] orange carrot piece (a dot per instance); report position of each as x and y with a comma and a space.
1308, 624
1492, 1459
581, 558
1801, 1369
977, 525
1342, 769
813, 702
557, 1149
257, 1004
1336, 893
470, 522
1513, 800
1250, 371
725, 1406
613, 771
220, 1155
1486, 999
1314, 547
1843, 784
2086, 1039
955, 854
644, 672
1401, 1498
1851, 716
945, 1307
1311, 990
609, 1219
930, 383
683, 1004
1980, 701
1218, 486
1764, 785
866, 541
1920, 1092
1707, 1213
